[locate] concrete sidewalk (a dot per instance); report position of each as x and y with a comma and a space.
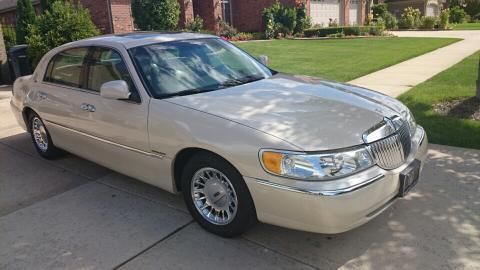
399, 78
73, 214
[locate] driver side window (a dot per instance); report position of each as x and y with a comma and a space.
107, 65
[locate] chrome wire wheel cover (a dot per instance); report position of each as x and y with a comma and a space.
214, 196
40, 134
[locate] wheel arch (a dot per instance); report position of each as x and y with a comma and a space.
26, 114
181, 159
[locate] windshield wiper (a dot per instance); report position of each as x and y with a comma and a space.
188, 92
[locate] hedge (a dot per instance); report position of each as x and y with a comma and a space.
347, 30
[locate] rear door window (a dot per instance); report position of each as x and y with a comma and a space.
67, 67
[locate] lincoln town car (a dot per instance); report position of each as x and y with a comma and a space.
194, 114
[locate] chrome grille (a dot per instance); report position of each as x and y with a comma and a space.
392, 151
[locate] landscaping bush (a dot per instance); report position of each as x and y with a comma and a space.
410, 18
428, 22
25, 17
390, 20
284, 21
195, 25
347, 30
242, 37
9, 36
444, 19
156, 14
457, 14
472, 8
303, 20
379, 10
62, 23
279, 20
225, 30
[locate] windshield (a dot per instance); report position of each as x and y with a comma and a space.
193, 66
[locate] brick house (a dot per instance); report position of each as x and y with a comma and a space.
115, 16
246, 15
110, 16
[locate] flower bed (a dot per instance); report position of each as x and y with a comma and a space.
346, 30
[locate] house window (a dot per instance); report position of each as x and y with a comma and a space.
227, 11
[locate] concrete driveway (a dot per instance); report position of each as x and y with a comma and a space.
73, 214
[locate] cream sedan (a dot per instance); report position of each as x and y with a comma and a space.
192, 113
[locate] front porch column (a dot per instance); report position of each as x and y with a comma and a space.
186, 12
210, 11
346, 12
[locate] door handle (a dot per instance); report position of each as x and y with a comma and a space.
42, 95
87, 107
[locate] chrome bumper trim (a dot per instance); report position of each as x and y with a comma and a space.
320, 192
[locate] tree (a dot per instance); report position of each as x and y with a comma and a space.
156, 14
25, 17
62, 23
45, 4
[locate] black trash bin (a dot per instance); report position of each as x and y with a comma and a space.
18, 62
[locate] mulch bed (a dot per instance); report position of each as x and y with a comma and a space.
467, 108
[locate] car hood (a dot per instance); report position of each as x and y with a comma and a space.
310, 113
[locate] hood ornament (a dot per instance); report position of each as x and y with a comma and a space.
385, 128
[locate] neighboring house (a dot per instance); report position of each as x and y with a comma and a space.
110, 16
246, 15
115, 16
426, 7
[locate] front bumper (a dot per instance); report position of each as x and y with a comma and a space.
316, 207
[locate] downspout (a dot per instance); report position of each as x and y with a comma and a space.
110, 21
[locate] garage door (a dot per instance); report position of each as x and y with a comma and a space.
321, 11
353, 12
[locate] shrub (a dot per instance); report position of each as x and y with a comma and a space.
303, 20
410, 18
225, 30
347, 30
241, 37
287, 20
195, 25
444, 19
379, 10
390, 21
472, 8
457, 14
279, 20
156, 14
9, 36
336, 35
25, 17
62, 23
428, 22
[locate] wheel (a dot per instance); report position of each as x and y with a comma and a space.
41, 138
217, 196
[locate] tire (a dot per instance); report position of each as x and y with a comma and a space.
41, 138
225, 196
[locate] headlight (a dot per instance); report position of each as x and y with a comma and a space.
324, 166
408, 116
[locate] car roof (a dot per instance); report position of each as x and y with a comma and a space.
134, 39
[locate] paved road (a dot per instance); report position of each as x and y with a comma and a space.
73, 214
399, 78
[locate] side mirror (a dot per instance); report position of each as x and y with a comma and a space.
263, 59
115, 90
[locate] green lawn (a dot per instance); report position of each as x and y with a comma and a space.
466, 26
341, 59
458, 81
